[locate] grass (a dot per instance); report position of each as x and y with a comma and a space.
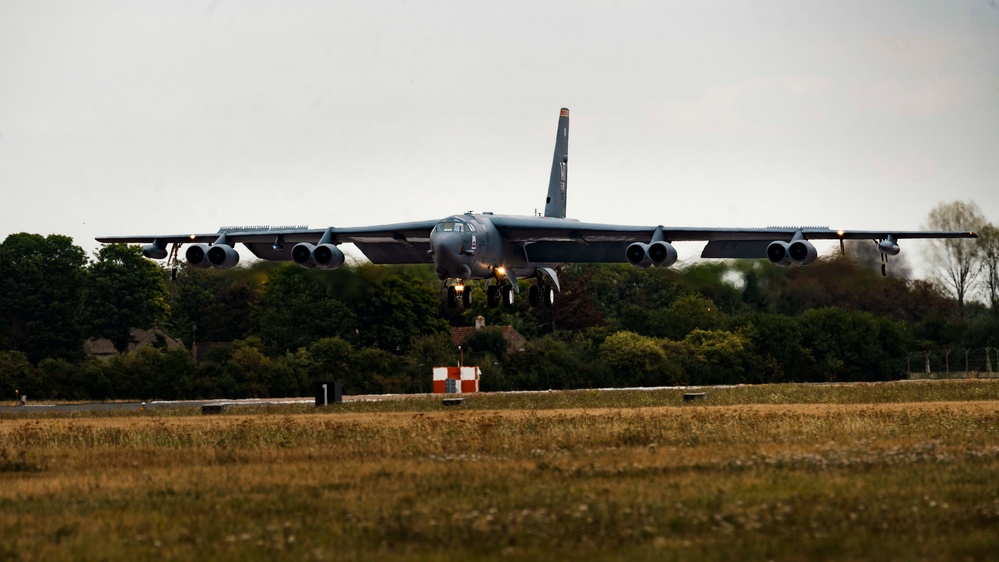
785, 472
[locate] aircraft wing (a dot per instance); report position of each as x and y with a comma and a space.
400, 243
564, 240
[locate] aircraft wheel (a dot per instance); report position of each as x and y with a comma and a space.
533, 296
549, 295
452, 297
492, 296
466, 297
507, 293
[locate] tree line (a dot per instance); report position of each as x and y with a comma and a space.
272, 329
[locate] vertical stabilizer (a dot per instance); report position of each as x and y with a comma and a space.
555, 204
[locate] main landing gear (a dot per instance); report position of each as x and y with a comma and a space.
502, 290
496, 294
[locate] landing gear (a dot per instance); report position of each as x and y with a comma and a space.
541, 294
507, 296
500, 294
459, 292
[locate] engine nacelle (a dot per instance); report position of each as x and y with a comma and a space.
889, 247
777, 253
153, 251
302, 255
197, 256
662, 254
328, 256
638, 255
659, 254
801, 252
223, 256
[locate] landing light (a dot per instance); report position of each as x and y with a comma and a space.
192, 237
840, 232
459, 288
500, 271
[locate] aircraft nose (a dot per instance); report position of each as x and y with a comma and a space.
446, 244
447, 248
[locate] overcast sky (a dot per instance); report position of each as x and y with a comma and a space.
157, 117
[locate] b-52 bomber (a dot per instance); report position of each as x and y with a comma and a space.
500, 249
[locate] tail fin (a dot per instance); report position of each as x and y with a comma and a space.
555, 204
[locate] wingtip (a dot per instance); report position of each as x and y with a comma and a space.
564, 112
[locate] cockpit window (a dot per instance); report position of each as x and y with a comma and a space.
452, 226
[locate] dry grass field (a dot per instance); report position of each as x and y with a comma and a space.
789, 472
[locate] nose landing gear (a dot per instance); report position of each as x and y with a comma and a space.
459, 291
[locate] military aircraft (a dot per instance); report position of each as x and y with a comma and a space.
500, 249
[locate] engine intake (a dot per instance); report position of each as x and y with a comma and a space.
223, 256
196, 255
797, 252
328, 256
662, 254
302, 255
659, 254
777, 253
801, 252
638, 254
323, 256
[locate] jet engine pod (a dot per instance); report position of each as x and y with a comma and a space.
638, 254
302, 255
197, 255
662, 254
153, 251
889, 247
223, 256
777, 253
801, 252
327, 256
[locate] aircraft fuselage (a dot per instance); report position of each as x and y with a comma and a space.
468, 247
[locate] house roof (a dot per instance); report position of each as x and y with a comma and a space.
140, 338
515, 341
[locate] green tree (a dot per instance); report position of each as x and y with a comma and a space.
487, 341
122, 290
293, 311
291, 374
852, 346
549, 362
775, 344
716, 357
250, 369
151, 373
212, 305
395, 309
40, 280
634, 359
687, 313
434, 350
17, 376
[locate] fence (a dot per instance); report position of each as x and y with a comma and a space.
956, 362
